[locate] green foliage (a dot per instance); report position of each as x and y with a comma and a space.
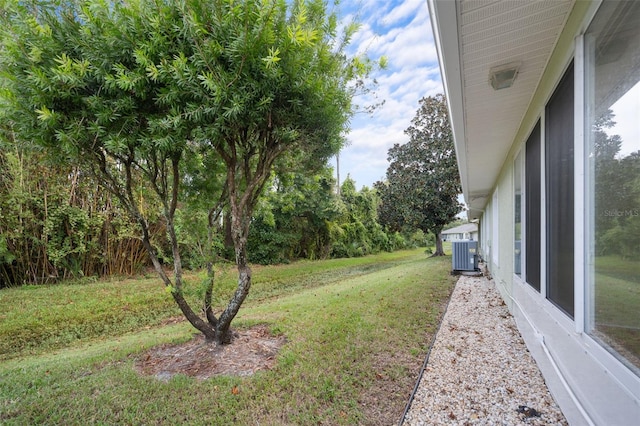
197, 241
301, 217
6, 256
66, 229
398, 241
357, 231
56, 223
293, 220
621, 239
269, 244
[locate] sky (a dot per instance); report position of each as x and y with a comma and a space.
627, 124
401, 31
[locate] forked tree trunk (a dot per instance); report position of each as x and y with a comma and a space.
240, 233
242, 200
176, 287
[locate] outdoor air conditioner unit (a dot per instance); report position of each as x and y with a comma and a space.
465, 255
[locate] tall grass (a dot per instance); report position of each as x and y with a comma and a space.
357, 332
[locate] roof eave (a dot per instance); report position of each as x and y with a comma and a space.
444, 22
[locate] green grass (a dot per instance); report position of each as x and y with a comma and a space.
357, 331
36, 319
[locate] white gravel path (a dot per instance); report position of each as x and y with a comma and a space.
479, 371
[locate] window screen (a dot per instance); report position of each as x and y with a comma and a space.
532, 208
559, 194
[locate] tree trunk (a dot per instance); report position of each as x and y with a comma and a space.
439, 250
228, 237
240, 233
208, 294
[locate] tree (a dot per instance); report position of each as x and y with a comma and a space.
422, 181
616, 192
129, 90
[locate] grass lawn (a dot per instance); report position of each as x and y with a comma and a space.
357, 331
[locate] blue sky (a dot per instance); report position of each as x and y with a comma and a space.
401, 31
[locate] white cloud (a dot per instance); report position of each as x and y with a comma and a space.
407, 9
627, 126
401, 31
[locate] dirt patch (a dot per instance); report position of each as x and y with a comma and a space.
252, 350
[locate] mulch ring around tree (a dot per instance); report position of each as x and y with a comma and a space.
252, 350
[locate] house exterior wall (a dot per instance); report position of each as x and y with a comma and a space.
462, 232
453, 237
501, 259
460, 236
591, 385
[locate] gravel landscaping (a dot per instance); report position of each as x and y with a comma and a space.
479, 371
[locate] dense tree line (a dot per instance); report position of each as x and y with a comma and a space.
304, 217
57, 222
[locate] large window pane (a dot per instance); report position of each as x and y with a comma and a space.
613, 120
559, 194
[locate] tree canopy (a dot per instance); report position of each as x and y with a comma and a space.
422, 182
616, 191
132, 92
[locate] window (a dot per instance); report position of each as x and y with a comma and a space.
532, 191
517, 202
612, 92
559, 186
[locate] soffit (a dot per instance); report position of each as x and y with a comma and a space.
490, 34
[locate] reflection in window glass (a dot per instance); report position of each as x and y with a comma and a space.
517, 244
613, 90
